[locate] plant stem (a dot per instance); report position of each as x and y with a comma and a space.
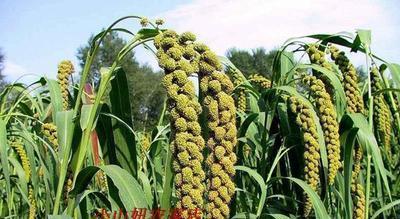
370, 122
86, 136
368, 182
161, 119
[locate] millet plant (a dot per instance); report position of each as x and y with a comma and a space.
311, 141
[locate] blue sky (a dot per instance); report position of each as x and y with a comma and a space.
36, 35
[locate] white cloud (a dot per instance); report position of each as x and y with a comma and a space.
15, 72
12, 71
223, 24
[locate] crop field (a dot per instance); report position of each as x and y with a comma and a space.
313, 139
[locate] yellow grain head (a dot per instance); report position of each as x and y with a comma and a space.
32, 203
18, 146
49, 130
67, 186
311, 147
65, 69
177, 57
381, 115
359, 208
145, 144
260, 81
317, 57
240, 93
328, 119
144, 22
216, 87
355, 102
159, 22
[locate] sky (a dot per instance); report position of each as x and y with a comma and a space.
36, 35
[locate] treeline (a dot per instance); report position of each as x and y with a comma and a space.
2, 80
147, 99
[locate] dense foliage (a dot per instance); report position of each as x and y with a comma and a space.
147, 99
305, 138
2, 79
259, 61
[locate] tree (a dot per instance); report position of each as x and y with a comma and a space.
362, 74
146, 99
258, 61
2, 80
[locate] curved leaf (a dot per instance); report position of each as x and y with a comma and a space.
385, 208
4, 163
130, 191
367, 139
348, 139
318, 205
260, 182
245, 216
56, 97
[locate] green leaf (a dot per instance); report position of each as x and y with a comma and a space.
97, 194
385, 208
260, 182
168, 182
129, 189
388, 90
347, 139
246, 123
59, 217
283, 66
367, 139
318, 205
83, 179
281, 152
395, 72
85, 113
124, 138
65, 129
245, 216
4, 161
278, 216
146, 187
146, 33
286, 63
356, 44
19, 170
365, 37
56, 97
334, 38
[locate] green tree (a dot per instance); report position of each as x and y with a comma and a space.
362, 74
2, 80
257, 61
146, 96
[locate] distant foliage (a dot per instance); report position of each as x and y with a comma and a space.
258, 61
2, 80
147, 99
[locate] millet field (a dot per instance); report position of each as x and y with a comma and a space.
313, 138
